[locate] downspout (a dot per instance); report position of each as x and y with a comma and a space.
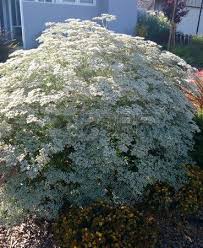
152, 6
10, 20
172, 28
200, 13
5, 19
22, 23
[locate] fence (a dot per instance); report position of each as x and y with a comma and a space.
183, 39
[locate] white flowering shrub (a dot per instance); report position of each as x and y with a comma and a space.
90, 114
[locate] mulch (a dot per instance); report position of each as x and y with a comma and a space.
181, 232
175, 232
30, 234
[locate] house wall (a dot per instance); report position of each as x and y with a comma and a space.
126, 12
35, 15
188, 24
5, 17
103, 6
1, 16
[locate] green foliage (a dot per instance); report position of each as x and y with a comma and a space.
190, 197
159, 197
192, 53
153, 26
6, 47
187, 200
104, 225
101, 225
180, 10
198, 147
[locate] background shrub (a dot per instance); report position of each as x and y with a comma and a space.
6, 47
196, 98
187, 200
197, 153
78, 125
153, 26
104, 225
159, 197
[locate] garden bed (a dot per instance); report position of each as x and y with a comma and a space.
91, 128
30, 234
175, 231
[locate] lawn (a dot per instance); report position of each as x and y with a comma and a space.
192, 53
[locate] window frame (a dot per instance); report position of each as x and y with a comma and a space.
76, 2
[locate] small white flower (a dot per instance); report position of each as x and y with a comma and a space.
87, 110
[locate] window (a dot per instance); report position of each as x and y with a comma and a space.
15, 10
87, 1
80, 2
45, 1
194, 3
69, 1
41, 1
75, 2
1, 17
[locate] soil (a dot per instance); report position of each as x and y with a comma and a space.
30, 234
179, 232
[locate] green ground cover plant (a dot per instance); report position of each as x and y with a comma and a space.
136, 226
104, 225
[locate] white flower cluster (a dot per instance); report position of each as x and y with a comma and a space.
90, 114
158, 14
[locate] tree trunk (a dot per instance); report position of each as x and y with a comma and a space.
171, 40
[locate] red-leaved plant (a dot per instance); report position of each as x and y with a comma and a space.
180, 10
196, 96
